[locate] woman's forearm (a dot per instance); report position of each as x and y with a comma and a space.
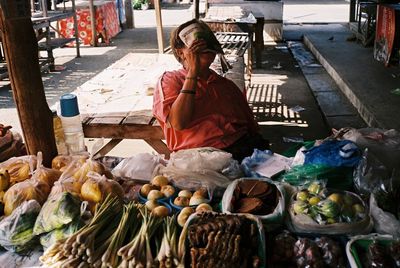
182, 109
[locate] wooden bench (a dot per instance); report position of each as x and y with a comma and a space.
119, 126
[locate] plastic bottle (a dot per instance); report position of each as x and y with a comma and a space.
72, 124
59, 134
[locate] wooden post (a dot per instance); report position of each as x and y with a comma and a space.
93, 22
352, 15
21, 51
78, 53
160, 34
196, 4
130, 22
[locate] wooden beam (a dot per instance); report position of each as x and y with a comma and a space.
123, 131
21, 52
93, 22
196, 4
78, 53
160, 34
130, 22
352, 15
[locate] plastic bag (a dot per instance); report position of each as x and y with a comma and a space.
333, 153
385, 144
336, 177
24, 191
193, 180
270, 221
316, 218
61, 162
97, 187
138, 167
16, 230
385, 222
20, 168
199, 159
57, 211
264, 164
48, 239
183, 246
44, 174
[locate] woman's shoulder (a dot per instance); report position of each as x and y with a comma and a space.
174, 74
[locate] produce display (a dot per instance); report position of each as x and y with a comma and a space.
290, 251
255, 197
327, 207
216, 240
377, 253
82, 215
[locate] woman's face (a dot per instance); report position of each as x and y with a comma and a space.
206, 58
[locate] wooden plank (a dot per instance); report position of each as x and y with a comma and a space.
107, 148
20, 47
123, 131
159, 146
107, 120
196, 4
160, 35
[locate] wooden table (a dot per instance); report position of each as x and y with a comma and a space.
234, 19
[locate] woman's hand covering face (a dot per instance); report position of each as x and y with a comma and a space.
191, 56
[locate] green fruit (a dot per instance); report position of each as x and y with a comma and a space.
358, 208
302, 195
337, 198
330, 220
347, 213
328, 208
348, 200
300, 207
314, 200
314, 188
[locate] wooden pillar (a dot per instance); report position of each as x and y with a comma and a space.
21, 51
196, 4
93, 22
160, 34
76, 32
130, 22
352, 15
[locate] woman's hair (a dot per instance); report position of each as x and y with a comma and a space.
177, 43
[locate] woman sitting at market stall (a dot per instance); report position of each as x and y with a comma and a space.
196, 107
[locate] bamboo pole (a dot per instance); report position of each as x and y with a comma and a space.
21, 52
196, 4
160, 34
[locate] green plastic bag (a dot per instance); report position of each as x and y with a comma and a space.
46, 240
336, 177
59, 210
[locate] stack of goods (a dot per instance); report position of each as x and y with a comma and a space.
216, 240
319, 252
255, 197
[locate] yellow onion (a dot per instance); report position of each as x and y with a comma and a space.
184, 215
168, 190
4, 180
154, 195
160, 211
160, 181
181, 201
203, 207
96, 188
185, 193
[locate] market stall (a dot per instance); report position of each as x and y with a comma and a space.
106, 22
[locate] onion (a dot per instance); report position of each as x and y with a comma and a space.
168, 190
151, 204
154, 194
203, 207
144, 191
185, 193
194, 201
181, 201
184, 215
160, 211
160, 181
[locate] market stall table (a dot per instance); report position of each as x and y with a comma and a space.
107, 22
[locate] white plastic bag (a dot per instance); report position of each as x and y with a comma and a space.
384, 222
199, 159
270, 221
138, 167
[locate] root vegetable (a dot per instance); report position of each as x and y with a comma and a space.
151, 204
160, 211
160, 181
185, 193
184, 215
203, 207
154, 195
181, 201
168, 190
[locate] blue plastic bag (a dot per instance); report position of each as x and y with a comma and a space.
249, 163
334, 153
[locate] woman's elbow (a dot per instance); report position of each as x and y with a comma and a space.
179, 125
